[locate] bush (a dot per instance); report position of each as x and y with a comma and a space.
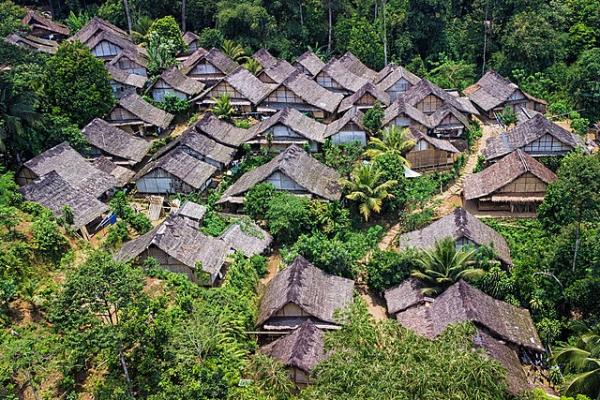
211, 37
257, 200
171, 104
389, 268
214, 224
288, 216
49, 242
372, 119
117, 235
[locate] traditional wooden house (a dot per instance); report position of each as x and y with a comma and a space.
364, 98
247, 238
223, 132
538, 137
192, 41
395, 80
44, 28
294, 171
104, 39
264, 58
208, 67
299, 352
303, 292
134, 114
493, 93
55, 193
404, 115
516, 184
173, 83
302, 94
131, 60
71, 167
428, 98
429, 153
245, 91
32, 43
462, 227
277, 72
174, 172
180, 247
336, 78
123, 82
122, 174
347, 129
309, 63
289, 127
448, 123
506, 333
353, 64
114, 143
202, 147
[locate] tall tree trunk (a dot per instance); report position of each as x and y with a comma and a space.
330, 18
577, 244
127, 14
385, 49
301, 15
183, 13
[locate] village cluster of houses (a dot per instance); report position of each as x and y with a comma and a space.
299, 106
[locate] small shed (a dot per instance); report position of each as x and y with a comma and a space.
431, 154
247, 237
348, 128
192, 41
173, 83
134, 114
123, 82
121, 147
208, 67
309, 64
427, 97
43, 27
448, 123
192, 211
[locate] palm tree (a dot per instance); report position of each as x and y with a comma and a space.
222, 108
444, 265
253, 66
234, 51
394, 141
582, 360
365, 188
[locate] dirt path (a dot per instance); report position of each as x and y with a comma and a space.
272, 267
375, 304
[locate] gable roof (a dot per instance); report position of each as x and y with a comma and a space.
438, 116
401, 107
435, 142
352, 115
369, 88
311, 62
181, 165
343, 77
279, 71
296, 121
145, 111
316, 292
312, 93
73, 168
223, 132
115, 141
123, 175
315, 177
191, 210
247, 237
264, 58
503, 172
54, 192
248, 85
302, 349
34, 42
136, 54
460, 223
403, 296
178, 81
124, 43
391, 74
355, 66
424, 88
525, 133
126, 78
190, 37
181, 240
33, 19
94, 27
214, 56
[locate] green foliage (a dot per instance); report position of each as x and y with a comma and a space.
172, 104
234, 51
389, 268
341, 157
161, 53
77, 21
257, 200
117, 235
10, 18
49, 242
508, 116
211, 37
122, 209
288, 216
372, 119
214, 224
584, 86
394, 141
222, 108
252, 65
360, 37
244, 22
167, 29
452, 74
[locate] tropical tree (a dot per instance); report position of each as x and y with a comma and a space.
253, 66
366, 189
394, 141
444, 265
582, 362
234, 51
222, 107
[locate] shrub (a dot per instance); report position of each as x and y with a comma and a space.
372, 119
389, 268
257, 200
508, 116
117, 235
49, 242
214, 224
288, 216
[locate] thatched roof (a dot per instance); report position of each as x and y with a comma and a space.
425, 88
247, 237
96, 26
178, 81
404, 296
435, 142
312, 93
456, 225
438, 116
296, 121
248, 85
32, 42
264, 58
391, 74
302, 349
311, 62
215, 57
298, 165
402, 108
117, 40
181, 240
201, 144
223, 132
500, 174
122, 175
73, 168
279, 71
125, 78
115, 141
317, 293
191, 210
492, 90
181, 165
343, 77
190, 37
54, 192
352, 115
145, 111
367, 88
356, 67
525, 133
34, 19
136, 54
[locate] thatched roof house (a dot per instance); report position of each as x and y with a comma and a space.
180, 247
173, 83
309, 63
430, 153
192, 211
32, 43
192, 41
493, 92
123, 82
96, 26
335, 77
277, 72
395, 80
463, 228
223, 132
247, 237
133, 60
517, 184
105, 40
428, 97
71, 167
264, 58
293, 170
122, 174
175, 172
300, 351
300, 292
137, 115
365, 97
356, 67
406, 295
208, 66
348, 128
114, 142
54, 193
43, 27
287, 127
448, 122
403, 115
538, 137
